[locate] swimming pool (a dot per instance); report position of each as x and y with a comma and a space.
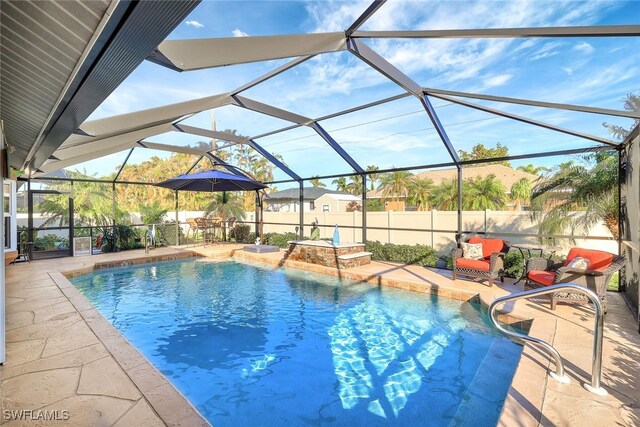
249, 345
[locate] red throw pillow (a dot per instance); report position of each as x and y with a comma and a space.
489, 246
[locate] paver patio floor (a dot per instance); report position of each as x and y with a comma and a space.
63, 356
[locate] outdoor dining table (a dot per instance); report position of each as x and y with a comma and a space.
529, 248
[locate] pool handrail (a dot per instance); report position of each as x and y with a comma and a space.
598, 335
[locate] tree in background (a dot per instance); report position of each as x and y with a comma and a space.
395, 185
520, 192
152, 212
631, 103
576, 197
315, 181
420, 193
445, 195
590, 189
340, 183
484, 193
479, 152
355, 185
372, 177
530, 168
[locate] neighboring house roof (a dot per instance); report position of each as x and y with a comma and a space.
310, 193
508, 176
343, 197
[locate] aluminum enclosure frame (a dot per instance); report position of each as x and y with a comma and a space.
184, 55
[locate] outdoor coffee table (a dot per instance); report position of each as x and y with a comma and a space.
529, 247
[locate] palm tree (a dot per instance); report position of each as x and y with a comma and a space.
395, 185
485, 193
445, 195
577, 197
315, 181
420, 190
631, 103
521, 192
534, 170
373, 177
355, 185
340, 183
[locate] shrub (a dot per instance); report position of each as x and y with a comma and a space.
513, 264
280, 240
243, 232
409, 254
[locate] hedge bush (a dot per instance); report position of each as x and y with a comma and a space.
409, 254
280, 240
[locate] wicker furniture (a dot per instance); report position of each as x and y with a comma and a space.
490, 267
542, 272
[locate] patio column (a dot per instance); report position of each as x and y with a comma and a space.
301, 201
364, 208
175, 203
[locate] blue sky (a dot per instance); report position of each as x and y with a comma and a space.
588, 71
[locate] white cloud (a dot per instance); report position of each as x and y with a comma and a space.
239, 33
194, 23
499, 80
567, 70
584, 47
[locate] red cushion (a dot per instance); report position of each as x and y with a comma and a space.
489, 246
597, 259
473, 264
541, 276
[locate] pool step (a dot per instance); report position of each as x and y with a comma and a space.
483, 387
354, 259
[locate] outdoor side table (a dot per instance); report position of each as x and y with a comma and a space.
529, 247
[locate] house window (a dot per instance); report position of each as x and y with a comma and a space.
312, 205
325, 208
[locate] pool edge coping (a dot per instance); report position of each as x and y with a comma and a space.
161, 394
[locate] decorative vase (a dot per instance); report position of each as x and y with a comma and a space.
336, 236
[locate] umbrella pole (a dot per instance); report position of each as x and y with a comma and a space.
257, 218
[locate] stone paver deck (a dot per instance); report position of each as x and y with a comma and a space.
62, 355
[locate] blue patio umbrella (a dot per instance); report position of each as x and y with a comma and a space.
211, 181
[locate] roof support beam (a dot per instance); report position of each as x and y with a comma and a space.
274, 160
208, 133
392, 73
172, 148
338, 114
377, 62
336, 147
431, 112
269, 110
281, 69
198, 54
526, 120
582, 31
373, 7
217, 160
72, 150
194, 165
52, 166
571, 107
123, 165
123, 123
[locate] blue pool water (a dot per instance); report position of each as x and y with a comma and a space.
253, 346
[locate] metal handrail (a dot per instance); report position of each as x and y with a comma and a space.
598, 334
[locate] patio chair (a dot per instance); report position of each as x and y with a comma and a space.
193, 229
490, 266
231, 227
208, 230
542, 272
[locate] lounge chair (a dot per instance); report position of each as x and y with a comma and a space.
490, 266
542, 272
